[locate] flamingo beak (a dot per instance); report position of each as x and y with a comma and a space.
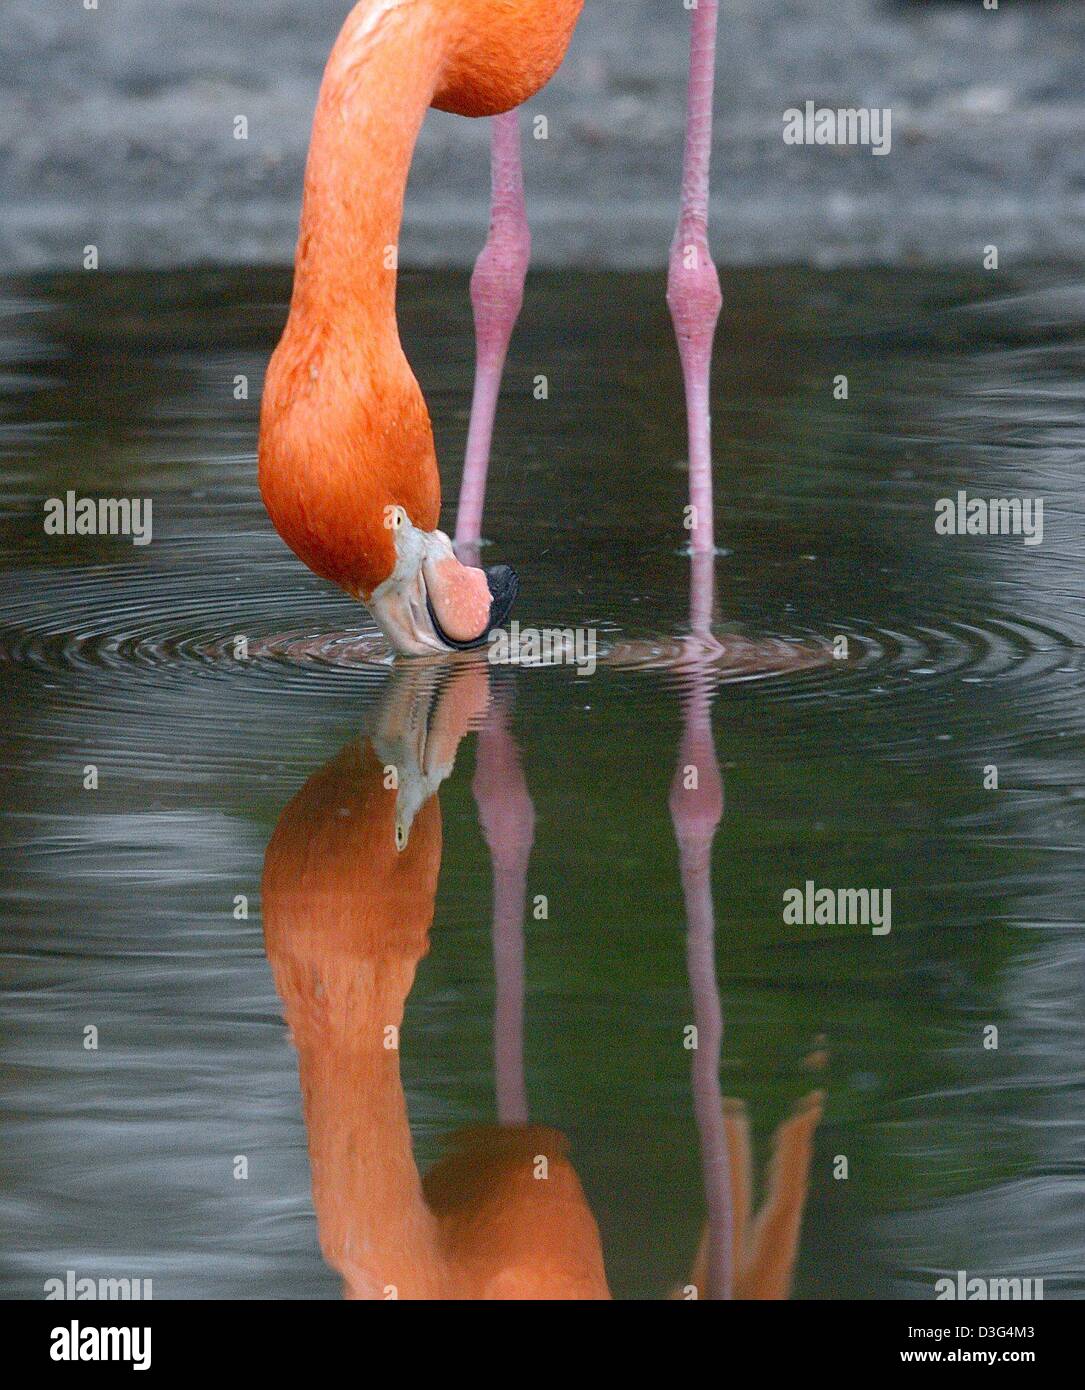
502, 586
433, 603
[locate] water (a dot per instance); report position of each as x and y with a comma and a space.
118, 904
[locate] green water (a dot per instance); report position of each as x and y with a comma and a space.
963, 653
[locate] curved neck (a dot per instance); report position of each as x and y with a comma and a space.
380, 79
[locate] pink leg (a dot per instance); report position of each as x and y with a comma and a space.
507, 816
693, 287
497, 292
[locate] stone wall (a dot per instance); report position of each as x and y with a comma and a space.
117, 127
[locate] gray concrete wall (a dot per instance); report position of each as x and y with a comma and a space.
117, 128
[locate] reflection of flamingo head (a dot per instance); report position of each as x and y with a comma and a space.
339, 892
422, 718
351, 868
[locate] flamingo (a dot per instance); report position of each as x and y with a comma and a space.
347, 465
346, 457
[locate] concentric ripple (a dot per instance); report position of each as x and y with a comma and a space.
188, 621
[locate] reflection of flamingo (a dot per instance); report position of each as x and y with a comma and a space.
347, 466
350, 876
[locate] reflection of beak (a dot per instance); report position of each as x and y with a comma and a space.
421, 722
433, 603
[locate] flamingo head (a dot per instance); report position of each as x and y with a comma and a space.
433, 603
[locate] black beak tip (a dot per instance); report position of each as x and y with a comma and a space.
504, 585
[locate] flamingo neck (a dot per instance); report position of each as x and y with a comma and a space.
380, 79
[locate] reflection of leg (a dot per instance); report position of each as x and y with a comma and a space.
737, 1127
507, 816
693, 287
774, 1242
696, 803
497, 293
708, 1105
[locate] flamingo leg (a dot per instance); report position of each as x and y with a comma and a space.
497, 293
693, 286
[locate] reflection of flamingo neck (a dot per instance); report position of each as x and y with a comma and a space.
346, 920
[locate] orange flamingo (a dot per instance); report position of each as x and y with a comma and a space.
350, 877
347, 465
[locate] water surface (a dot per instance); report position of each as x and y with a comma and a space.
118, 906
